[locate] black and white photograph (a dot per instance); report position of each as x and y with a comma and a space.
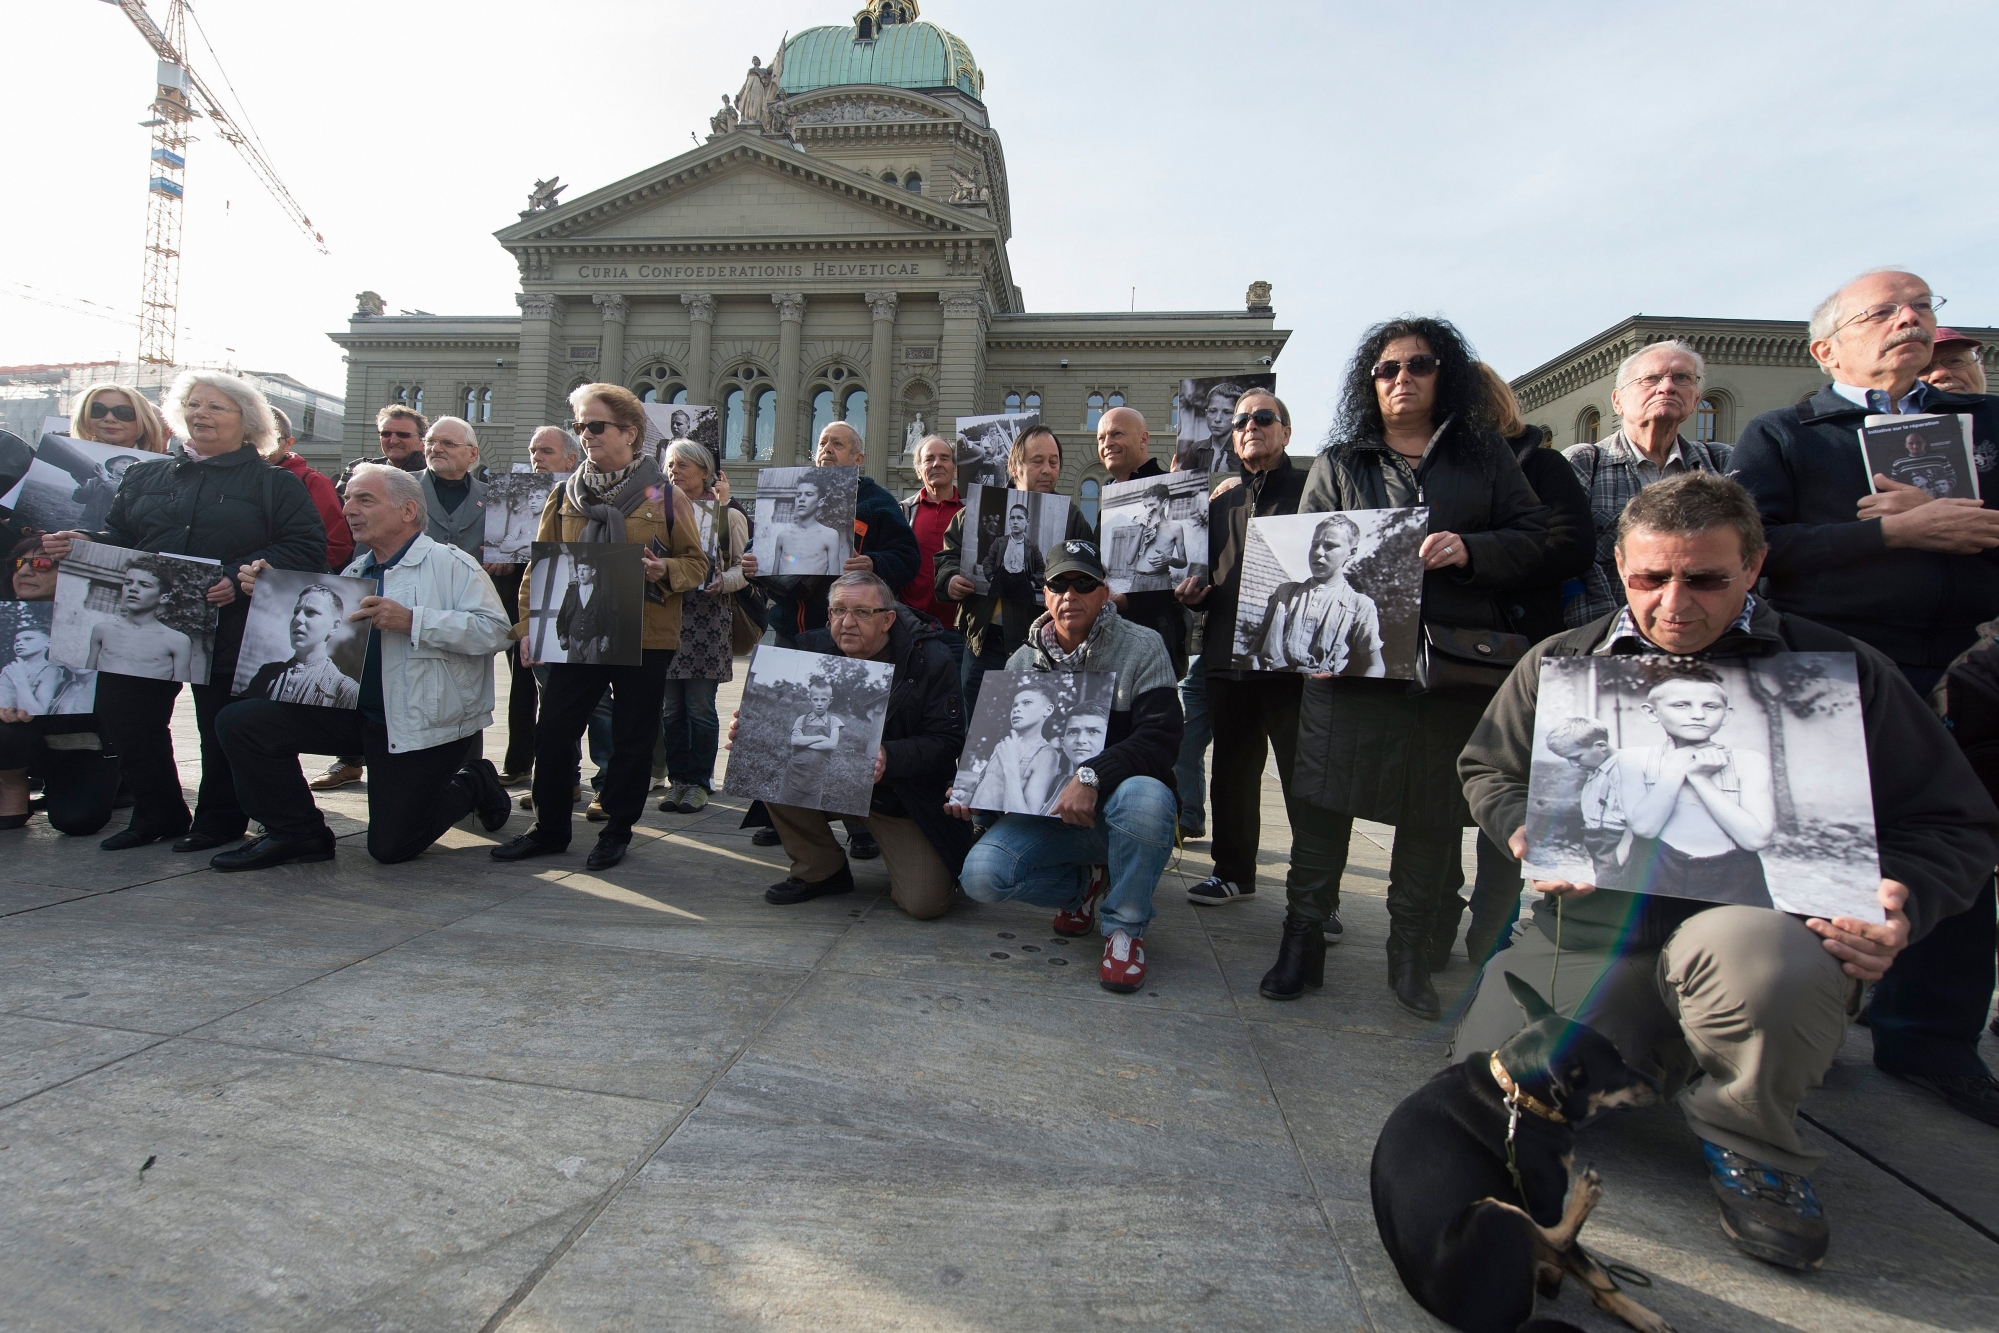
1931, 453
805, 519
298, 645
667, 422
1029, 734
984, 443
135, 613
808, 730
1155, 531
1204, 440
70, 485
1734, 781
1332, 594
30, 682
1009, 533
514, 501
586, 603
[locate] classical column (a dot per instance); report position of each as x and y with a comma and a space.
700, 337
611, 353
790, 323
539, 312
961, 357
881, 383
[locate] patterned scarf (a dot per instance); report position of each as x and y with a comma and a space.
606, 498
1044, 630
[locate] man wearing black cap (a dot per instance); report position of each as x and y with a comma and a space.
1118, 809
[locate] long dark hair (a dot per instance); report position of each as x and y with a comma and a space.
1461, 395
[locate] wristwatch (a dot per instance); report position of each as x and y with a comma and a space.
1087, 776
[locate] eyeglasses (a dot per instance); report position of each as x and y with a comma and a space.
396, 434
1680, 379
1080, 584
861, 613
1874, 314
1263, 416
591, 427
1694, 582
39, 563
99, 411
1420, 366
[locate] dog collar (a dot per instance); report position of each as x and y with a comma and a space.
1526, 1101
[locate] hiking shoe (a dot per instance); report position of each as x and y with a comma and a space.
670, 803
1082, 918
1123, 968
1214, 891
1333, 930
1977, 1095
595, 811
1771, 1215
513, 778
336, 776
795, 890
693, 799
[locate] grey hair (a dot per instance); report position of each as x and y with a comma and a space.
260, 429
283, 423
848, 426
1681, 345
459, 422
402, 487
570, 445
929, 440
861, 578
689, 451
1825, 315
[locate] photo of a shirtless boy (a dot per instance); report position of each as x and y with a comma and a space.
138, 642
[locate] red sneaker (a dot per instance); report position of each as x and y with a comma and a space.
1082, 918
1123, 967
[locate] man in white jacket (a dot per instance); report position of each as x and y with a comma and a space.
426, 693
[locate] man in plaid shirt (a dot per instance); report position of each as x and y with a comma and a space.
1657, 390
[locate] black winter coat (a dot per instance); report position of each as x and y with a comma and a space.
1804, 466
1536, 607
1372, 748
1261, 495
923, 731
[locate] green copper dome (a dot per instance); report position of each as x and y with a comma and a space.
881, 47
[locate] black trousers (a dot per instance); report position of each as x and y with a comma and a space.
1927, 1012
1251, 717
521, 685
137, 716
637, 694
1424, 867
412, 797
78, 785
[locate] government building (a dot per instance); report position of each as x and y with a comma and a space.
835, 250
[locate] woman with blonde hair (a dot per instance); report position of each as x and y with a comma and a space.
107, 413
221, 501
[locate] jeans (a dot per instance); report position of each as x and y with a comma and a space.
1041, 860
136, 716
689, 731
413, 796
1188, 777
574, 692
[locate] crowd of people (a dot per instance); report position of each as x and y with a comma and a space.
1647, 544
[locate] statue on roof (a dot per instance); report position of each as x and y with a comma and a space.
760, 103
370, 303
968, 188
542, 197
724, 120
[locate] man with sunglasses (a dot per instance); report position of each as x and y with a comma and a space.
1908, 573
1117, 809
1756, 1000
1251, 712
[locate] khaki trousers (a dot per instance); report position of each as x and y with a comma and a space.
919, 881
1739, 1015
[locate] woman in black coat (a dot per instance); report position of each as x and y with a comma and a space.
220, 500
1414, 430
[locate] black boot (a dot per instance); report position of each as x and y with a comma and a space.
1444, 933
1301, 961
1410, 981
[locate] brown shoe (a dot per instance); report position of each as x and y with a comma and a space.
336, 776
595, 814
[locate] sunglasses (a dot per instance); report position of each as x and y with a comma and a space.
40, 563
1263, 416
1694, 582
1421, 366
1081, 584
99, 411
591, 427
397, 434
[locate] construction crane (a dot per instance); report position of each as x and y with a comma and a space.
180, 97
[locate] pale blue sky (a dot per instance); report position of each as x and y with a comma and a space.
1534, 172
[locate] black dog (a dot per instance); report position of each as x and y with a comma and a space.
1471, 1177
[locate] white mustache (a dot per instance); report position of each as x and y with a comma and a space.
1923, 336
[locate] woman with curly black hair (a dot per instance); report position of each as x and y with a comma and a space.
1414, 429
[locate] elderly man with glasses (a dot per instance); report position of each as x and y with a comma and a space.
1735, 1010
1909, 574
1658, 388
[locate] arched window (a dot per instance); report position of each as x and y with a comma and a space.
679, 396
416, 398
1117, 400
1095, 412
1589, 426
822, 413
1088, 494
733, 424
913, 183
471, 404
888, 178
855, 411
767, 423
1012, 403
1034, 402
1173, 414
1707, 420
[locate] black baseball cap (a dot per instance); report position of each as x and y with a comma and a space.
1075, 556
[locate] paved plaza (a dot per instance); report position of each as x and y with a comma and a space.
455, 1094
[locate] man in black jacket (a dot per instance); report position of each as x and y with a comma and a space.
1756, 1000
1912, 576
1251, 712
922, 848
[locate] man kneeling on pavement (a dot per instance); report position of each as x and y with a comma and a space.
1118, 810
921, 847
426, 693
1736, 1009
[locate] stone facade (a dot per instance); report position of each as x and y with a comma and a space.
1753, 365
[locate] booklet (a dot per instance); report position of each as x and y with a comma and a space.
1930, 452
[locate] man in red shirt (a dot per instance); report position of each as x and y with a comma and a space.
929, 512
339, 541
